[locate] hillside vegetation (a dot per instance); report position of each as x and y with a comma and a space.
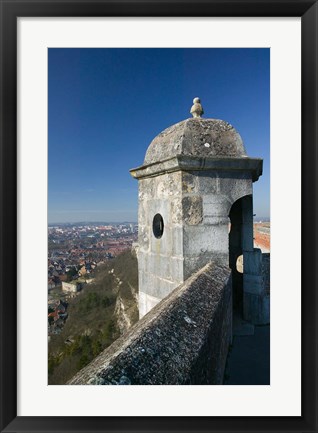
100, 313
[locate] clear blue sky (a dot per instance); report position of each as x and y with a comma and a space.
106, 105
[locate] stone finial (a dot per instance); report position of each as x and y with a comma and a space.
196, 109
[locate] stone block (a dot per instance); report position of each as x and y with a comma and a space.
215, 205
177, 241
253, 262
142, 263
192, 210
165, 287
208, 182
158, 287
146, 189
234, 186
176, 211
177, 264
204, 239
143, 237
189, 183
142, 212
143, 280
168, 185
159, 265
253, 283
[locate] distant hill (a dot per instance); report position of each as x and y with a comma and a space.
90, 223
103, 311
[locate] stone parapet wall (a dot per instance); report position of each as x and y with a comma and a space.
183, 340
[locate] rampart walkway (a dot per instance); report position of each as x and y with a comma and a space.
248, 361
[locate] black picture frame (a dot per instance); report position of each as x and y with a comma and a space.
10, 11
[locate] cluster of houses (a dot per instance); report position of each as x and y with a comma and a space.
57, 314
74, 251
59, 272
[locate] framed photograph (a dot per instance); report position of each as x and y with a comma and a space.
256, 64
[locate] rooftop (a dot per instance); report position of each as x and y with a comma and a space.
196, 137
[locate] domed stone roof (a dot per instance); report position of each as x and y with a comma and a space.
196, 137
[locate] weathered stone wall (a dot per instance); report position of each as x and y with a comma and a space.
183, 340
160, 261
195, 208
206, 202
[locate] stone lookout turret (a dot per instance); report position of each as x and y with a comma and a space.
195, 206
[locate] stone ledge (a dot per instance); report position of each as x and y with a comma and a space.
182, 340
189, 163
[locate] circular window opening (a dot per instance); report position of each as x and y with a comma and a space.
157, 226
